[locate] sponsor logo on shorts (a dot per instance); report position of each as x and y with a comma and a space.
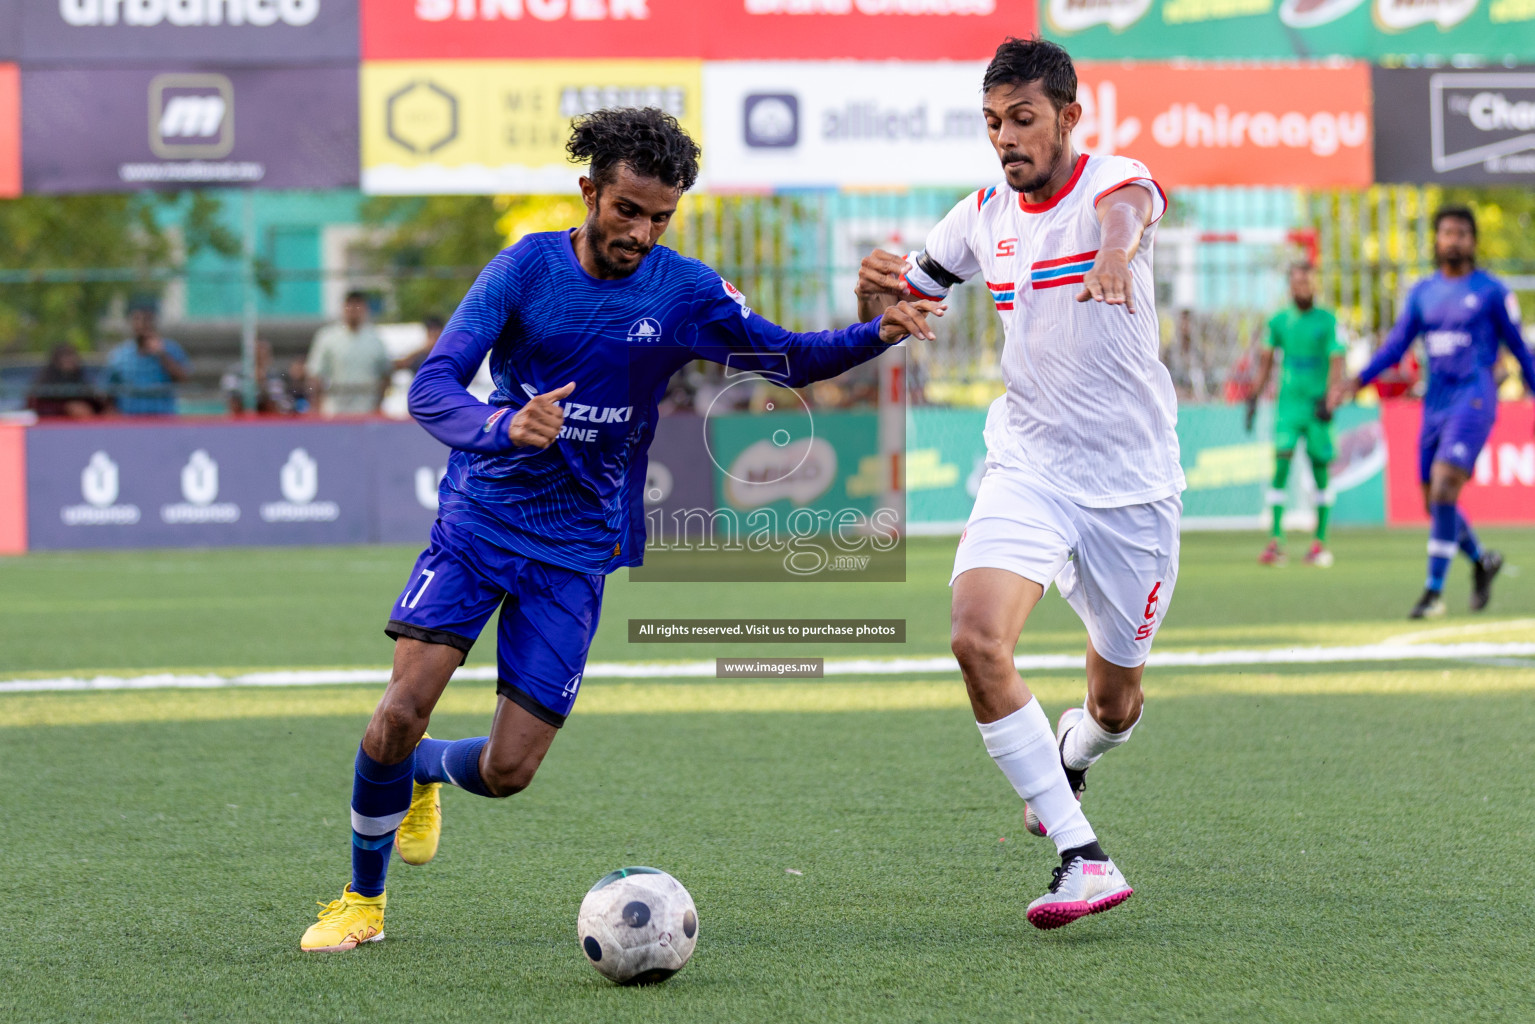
1150, 625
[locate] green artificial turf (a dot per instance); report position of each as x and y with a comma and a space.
1308, 843
1296, 857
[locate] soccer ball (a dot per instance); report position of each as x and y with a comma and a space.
637, 926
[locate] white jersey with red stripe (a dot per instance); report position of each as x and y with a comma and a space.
1089, 408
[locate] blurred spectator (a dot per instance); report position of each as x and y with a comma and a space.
61, 388
142, 372
412, 360
272, 393
299, 387
347, 362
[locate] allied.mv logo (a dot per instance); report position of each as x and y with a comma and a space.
191, 116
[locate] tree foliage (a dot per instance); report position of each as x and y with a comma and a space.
67, 259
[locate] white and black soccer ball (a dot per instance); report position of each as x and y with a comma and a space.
637, 926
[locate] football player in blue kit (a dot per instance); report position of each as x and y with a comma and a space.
1463, 314
543, 493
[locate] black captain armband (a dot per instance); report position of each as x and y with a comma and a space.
932, 269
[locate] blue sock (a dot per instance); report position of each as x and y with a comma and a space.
1466, 537
456, 762
380, 798
1441, 543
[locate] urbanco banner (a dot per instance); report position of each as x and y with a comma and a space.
115, 129
1266, 29
1455, 125
482, 127
1289, 125
717, 30
117, 32
195, 485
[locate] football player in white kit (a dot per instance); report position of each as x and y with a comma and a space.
1082, 475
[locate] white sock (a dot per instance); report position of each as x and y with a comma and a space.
1087, 741
1024, 748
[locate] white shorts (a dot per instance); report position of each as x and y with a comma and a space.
1116, 567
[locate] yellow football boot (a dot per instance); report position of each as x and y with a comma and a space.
346, 923
421, 828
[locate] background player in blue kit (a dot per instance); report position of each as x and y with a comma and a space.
542, 497
1462, 313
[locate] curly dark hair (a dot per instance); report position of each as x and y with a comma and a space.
650, 141
1018, 61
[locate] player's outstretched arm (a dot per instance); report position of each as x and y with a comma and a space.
728, 330
1503, 318
1406, 329
1123, 215
439, 397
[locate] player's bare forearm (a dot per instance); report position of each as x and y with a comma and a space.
1265, 371
871, 307
879, 284
1123, 215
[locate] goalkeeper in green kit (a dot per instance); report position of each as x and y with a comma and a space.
1312, 361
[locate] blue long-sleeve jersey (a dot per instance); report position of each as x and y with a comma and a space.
1462, 321
546, 322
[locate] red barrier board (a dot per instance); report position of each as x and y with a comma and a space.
718, 30
1502, 490
10, 131
13, 489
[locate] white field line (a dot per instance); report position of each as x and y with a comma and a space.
834, 667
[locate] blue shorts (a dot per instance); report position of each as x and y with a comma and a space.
1455, 436
548, 616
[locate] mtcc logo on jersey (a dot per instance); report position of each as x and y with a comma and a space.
299, 480
199, 492
99, 487
645, 329
191, 116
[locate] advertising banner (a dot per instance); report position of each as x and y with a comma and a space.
783, 124
1228, 470
10, 29
1455, 126
720, 30
1502, 489
183, 485
118, 32
501, 126
945, 460
1257, 29
1299, 125
13, 489
104, 130
10, 131
408, 464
